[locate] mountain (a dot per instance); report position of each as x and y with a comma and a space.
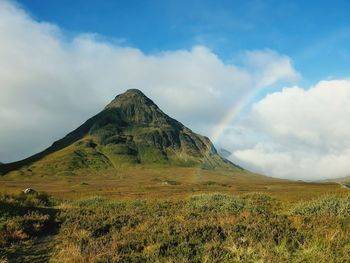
224, 153
130, 131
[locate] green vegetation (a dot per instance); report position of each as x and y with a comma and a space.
202, 228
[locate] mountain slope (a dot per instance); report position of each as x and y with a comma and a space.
130, 131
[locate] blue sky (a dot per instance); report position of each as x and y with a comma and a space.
315, 34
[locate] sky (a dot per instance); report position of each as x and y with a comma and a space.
266, 80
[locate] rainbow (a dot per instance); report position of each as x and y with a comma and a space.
232, 113
227, 119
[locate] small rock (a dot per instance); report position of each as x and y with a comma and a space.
28, 191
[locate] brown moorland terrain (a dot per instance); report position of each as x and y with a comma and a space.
165, 182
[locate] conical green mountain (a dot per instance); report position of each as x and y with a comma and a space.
130, 131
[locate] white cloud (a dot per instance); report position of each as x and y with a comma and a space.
318, 116
50, 84
306, 132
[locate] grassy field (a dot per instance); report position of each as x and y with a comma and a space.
177, 214
200, 228
164, 182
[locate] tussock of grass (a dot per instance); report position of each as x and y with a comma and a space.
331, 206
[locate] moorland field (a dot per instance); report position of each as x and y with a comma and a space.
216, 227
173, 215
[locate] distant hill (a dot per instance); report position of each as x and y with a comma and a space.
344, 181
130, 131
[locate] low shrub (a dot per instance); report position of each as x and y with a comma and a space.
30, 200
24, 216
19, 228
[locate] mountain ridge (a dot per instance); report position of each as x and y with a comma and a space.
130, 130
